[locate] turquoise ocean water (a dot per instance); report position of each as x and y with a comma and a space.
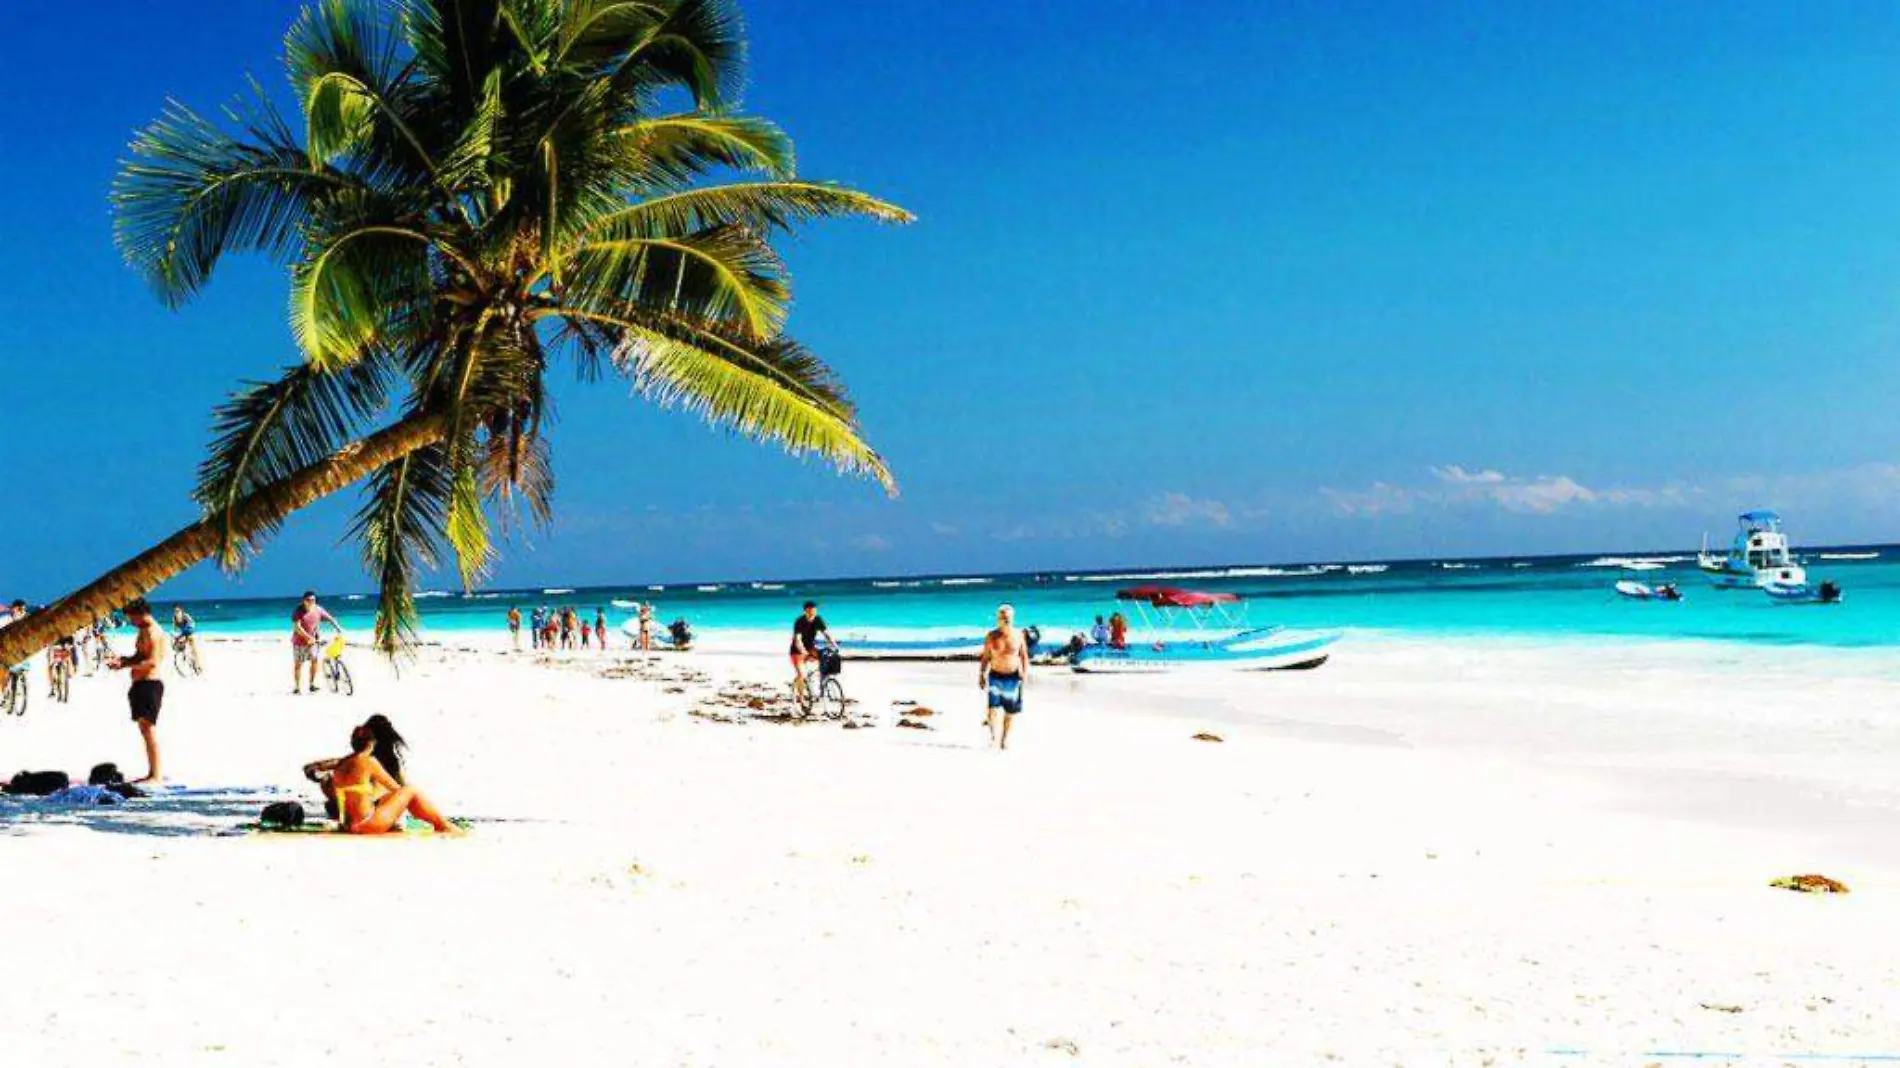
1545, 597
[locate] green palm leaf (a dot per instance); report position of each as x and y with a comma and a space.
272, 430
761, 206
402, 524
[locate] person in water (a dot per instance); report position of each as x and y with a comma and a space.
1002, 673
369, 799
388, 747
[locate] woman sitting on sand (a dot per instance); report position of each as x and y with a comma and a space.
388, 749
369, 799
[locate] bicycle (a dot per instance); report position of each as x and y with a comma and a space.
823, 692
185, 656
336, 671
14, 696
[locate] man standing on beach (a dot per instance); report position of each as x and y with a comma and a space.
147, 693
805, 631
1002, 672
306, 639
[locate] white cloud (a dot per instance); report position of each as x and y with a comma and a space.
1453, 486
1458, 476
1381, 498
945, 530
871, 543
1180, 510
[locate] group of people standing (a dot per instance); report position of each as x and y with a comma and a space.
562, 628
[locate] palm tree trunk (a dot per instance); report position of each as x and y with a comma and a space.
203, 539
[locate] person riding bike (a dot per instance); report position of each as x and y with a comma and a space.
805, 631
185, 632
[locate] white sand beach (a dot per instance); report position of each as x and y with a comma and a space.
1423, 853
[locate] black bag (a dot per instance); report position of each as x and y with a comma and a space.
105, 775
830, 662
282, 814
39, 783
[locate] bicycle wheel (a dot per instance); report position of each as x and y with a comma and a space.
340, 681
831, 698
183, 661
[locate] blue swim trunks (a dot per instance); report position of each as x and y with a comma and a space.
1006, 692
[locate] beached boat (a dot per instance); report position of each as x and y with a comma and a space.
1759, 555
926, 643
1215, 636
1794, 593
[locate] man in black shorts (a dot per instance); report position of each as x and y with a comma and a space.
805, 631
147, 694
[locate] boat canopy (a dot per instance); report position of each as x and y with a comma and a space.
1761, 517
1170, 597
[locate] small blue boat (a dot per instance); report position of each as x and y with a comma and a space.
1796, 593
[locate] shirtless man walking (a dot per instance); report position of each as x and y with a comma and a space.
148, 690
1003, 672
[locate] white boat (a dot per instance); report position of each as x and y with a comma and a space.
1758, 556
1634, 589
1219, 638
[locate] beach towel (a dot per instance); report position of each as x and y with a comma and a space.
82, 796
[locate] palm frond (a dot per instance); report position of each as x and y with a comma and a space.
353, 286
725, 275
401, 526
774, 390
467, 528
760, 206
193, 192
517, 474
274, 429
669, 151
698, 45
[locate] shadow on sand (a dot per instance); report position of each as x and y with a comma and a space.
170, 812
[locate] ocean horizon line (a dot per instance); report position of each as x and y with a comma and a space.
1228, 570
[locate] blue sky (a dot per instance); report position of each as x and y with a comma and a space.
1240, 282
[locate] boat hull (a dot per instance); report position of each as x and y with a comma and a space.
1278, 652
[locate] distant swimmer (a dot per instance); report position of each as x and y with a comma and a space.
1002, 673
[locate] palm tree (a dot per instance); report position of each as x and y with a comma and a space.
477, 191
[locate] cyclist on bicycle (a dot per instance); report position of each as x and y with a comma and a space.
185, 632
306, 639
805, 631
13, 613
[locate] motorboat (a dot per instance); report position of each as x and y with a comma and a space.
1793, 593
1758, 556
1189, 629
1634, 589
